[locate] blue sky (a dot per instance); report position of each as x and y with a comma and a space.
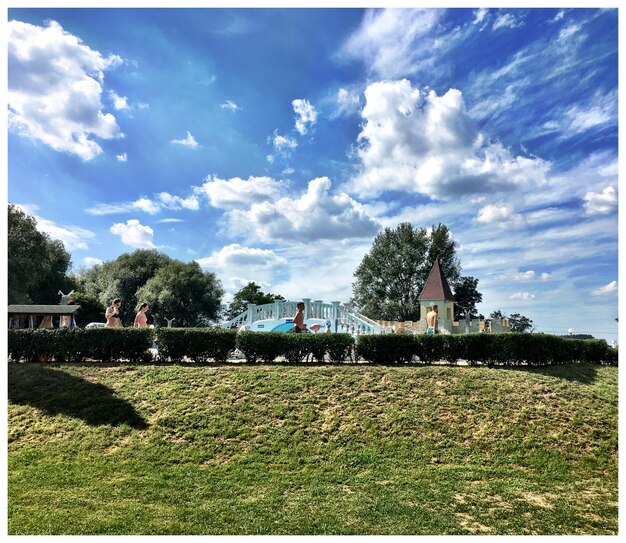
273, 144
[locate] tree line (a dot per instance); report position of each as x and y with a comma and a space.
387, 283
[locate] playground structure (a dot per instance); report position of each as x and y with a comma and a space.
278, 315
340, 317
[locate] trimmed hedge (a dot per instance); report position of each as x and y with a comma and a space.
80, 344
197, 344
202, 345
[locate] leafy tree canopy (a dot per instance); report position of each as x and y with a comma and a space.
466, 296
391, 276
91, 309
184, 292
250, 294
37, 264
520, 323
497, 314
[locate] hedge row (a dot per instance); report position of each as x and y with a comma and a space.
80, 344
202, 345
513, 349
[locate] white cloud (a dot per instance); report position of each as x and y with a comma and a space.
424, 143
167, 221
528, 275
237, 266
599, 111
601, 203
189, 141
348, 101
501, 214
55, 89
306, 115
236, 192
396, 42
284, 142
134, 234
506, 20
315, 215
72, 237
170, 201
146, 205
119, 102
479, 15
122, 158
522, 296
558, 16
90, 261
568, 31
606, 290
288, 171
229, 104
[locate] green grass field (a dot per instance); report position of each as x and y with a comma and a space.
273, 449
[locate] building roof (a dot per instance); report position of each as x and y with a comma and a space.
43, 309
436, 287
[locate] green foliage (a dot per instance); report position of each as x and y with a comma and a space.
122, 278
91, 309
386, 348
497, 314
297, 347
80, 344
264, 346
184, 292
466, 296
391, 276
197, 344
37, 264
250, 294
430, 347
520, 323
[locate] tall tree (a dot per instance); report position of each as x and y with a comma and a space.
122, 278
391, 276
497, 314
37, 264
520, 323
466, 297
91, 309
182, 291
250, 294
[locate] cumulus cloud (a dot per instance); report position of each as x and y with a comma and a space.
316, 214
424, 143
90, 261
522, 296
163, 200
606, 290
306, 115
134, 234
601, 203
236, 192
235, 263
395, 42
229, 104
189, 141
119, 102
529, 275
284, 142
55, 89
170, 201
501, 215
122, 158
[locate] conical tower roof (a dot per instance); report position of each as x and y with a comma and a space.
436, 286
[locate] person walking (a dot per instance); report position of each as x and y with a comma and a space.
431, 321
112, 314
141, 319
298, 319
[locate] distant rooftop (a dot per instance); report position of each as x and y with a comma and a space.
436, 286
40, 309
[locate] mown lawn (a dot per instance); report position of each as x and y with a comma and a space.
273, 449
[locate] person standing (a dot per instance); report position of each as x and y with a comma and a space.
112, 314
141, 319
298, 319
431, 321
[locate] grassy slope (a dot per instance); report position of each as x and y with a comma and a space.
312, 450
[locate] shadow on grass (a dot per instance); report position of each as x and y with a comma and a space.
582, 373
55, 391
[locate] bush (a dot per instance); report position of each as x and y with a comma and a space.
198, 344
387, 348
296, 347
430, 347
264, 346
79, 344
338, 346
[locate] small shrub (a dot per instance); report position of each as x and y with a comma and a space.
264, 346
197, 344
386, 348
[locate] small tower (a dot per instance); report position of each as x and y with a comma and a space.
437, 291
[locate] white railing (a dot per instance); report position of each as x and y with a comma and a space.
341, 318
